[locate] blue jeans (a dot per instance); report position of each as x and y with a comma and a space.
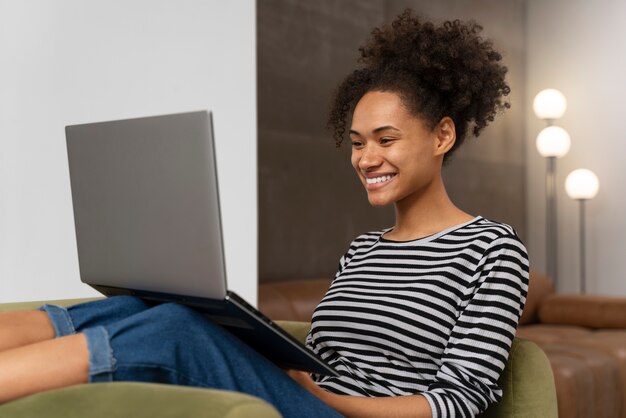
129, 340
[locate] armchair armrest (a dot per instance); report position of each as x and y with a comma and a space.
138, 400
527, 384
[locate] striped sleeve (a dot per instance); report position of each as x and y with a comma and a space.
478, 346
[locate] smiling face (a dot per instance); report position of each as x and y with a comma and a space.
395, 154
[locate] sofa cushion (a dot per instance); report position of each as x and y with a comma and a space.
544, 333
611, 343
578, 357
584, 310
587, 380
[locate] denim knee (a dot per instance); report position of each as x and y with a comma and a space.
105, 311
167, 327
151, 341
171, 313
60, 320
171, 343
67, 321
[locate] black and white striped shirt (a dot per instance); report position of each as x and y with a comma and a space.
434, 316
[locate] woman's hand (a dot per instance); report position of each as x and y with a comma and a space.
304, 379
414, 406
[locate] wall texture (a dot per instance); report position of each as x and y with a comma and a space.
311, 204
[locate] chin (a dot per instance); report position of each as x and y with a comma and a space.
379, 202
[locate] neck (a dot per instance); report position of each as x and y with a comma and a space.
426, 213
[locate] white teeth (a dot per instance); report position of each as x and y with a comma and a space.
378, 179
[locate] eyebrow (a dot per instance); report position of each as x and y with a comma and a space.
377, 130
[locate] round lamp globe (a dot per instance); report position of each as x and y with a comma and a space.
549, 104
582, 184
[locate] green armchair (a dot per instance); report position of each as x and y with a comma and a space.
527, 382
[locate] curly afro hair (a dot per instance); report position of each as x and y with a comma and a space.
438, 70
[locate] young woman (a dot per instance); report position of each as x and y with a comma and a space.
420, 317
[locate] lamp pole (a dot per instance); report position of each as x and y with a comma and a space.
583, 266
551, 222
582, 184
552, 142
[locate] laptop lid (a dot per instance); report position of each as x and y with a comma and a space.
146, 204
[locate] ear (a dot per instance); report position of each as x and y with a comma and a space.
445, 136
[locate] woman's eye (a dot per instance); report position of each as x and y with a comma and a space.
356, 143
385, 140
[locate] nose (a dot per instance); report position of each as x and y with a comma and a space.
369, 159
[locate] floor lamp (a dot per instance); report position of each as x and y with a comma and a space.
552, 142
582, 185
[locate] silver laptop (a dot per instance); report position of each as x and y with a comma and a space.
147, 216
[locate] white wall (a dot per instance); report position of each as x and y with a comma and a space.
577, 46
75, 61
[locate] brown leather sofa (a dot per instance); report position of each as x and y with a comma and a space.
584, 338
